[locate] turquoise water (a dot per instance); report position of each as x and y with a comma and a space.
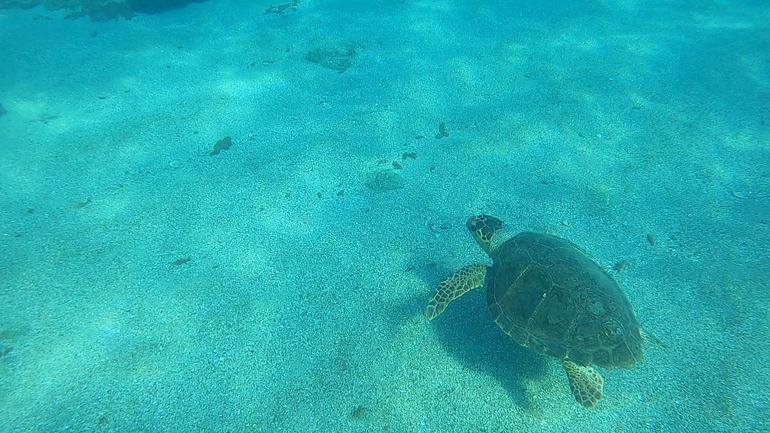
152, 280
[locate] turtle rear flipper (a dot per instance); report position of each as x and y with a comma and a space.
462, 281
585, 382
651, 338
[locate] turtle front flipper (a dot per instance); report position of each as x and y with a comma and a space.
467, 278
585, 382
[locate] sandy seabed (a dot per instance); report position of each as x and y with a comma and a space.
280, 285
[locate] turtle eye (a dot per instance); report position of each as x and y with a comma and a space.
477, 224
474, 225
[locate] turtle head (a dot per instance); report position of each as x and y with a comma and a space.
488, 231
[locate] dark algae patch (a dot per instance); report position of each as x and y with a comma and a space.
82, 204
339, 61
181, 261
620, 266
386, 180
359, 413
221, 145
105, 12
280, 9
442, 132
101, 10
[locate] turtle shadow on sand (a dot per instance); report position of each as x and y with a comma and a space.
469, 335
467, 332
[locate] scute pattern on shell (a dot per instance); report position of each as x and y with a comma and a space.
546, 294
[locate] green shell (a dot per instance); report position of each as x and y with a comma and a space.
546, 294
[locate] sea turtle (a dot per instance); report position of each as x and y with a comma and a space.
547, 295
